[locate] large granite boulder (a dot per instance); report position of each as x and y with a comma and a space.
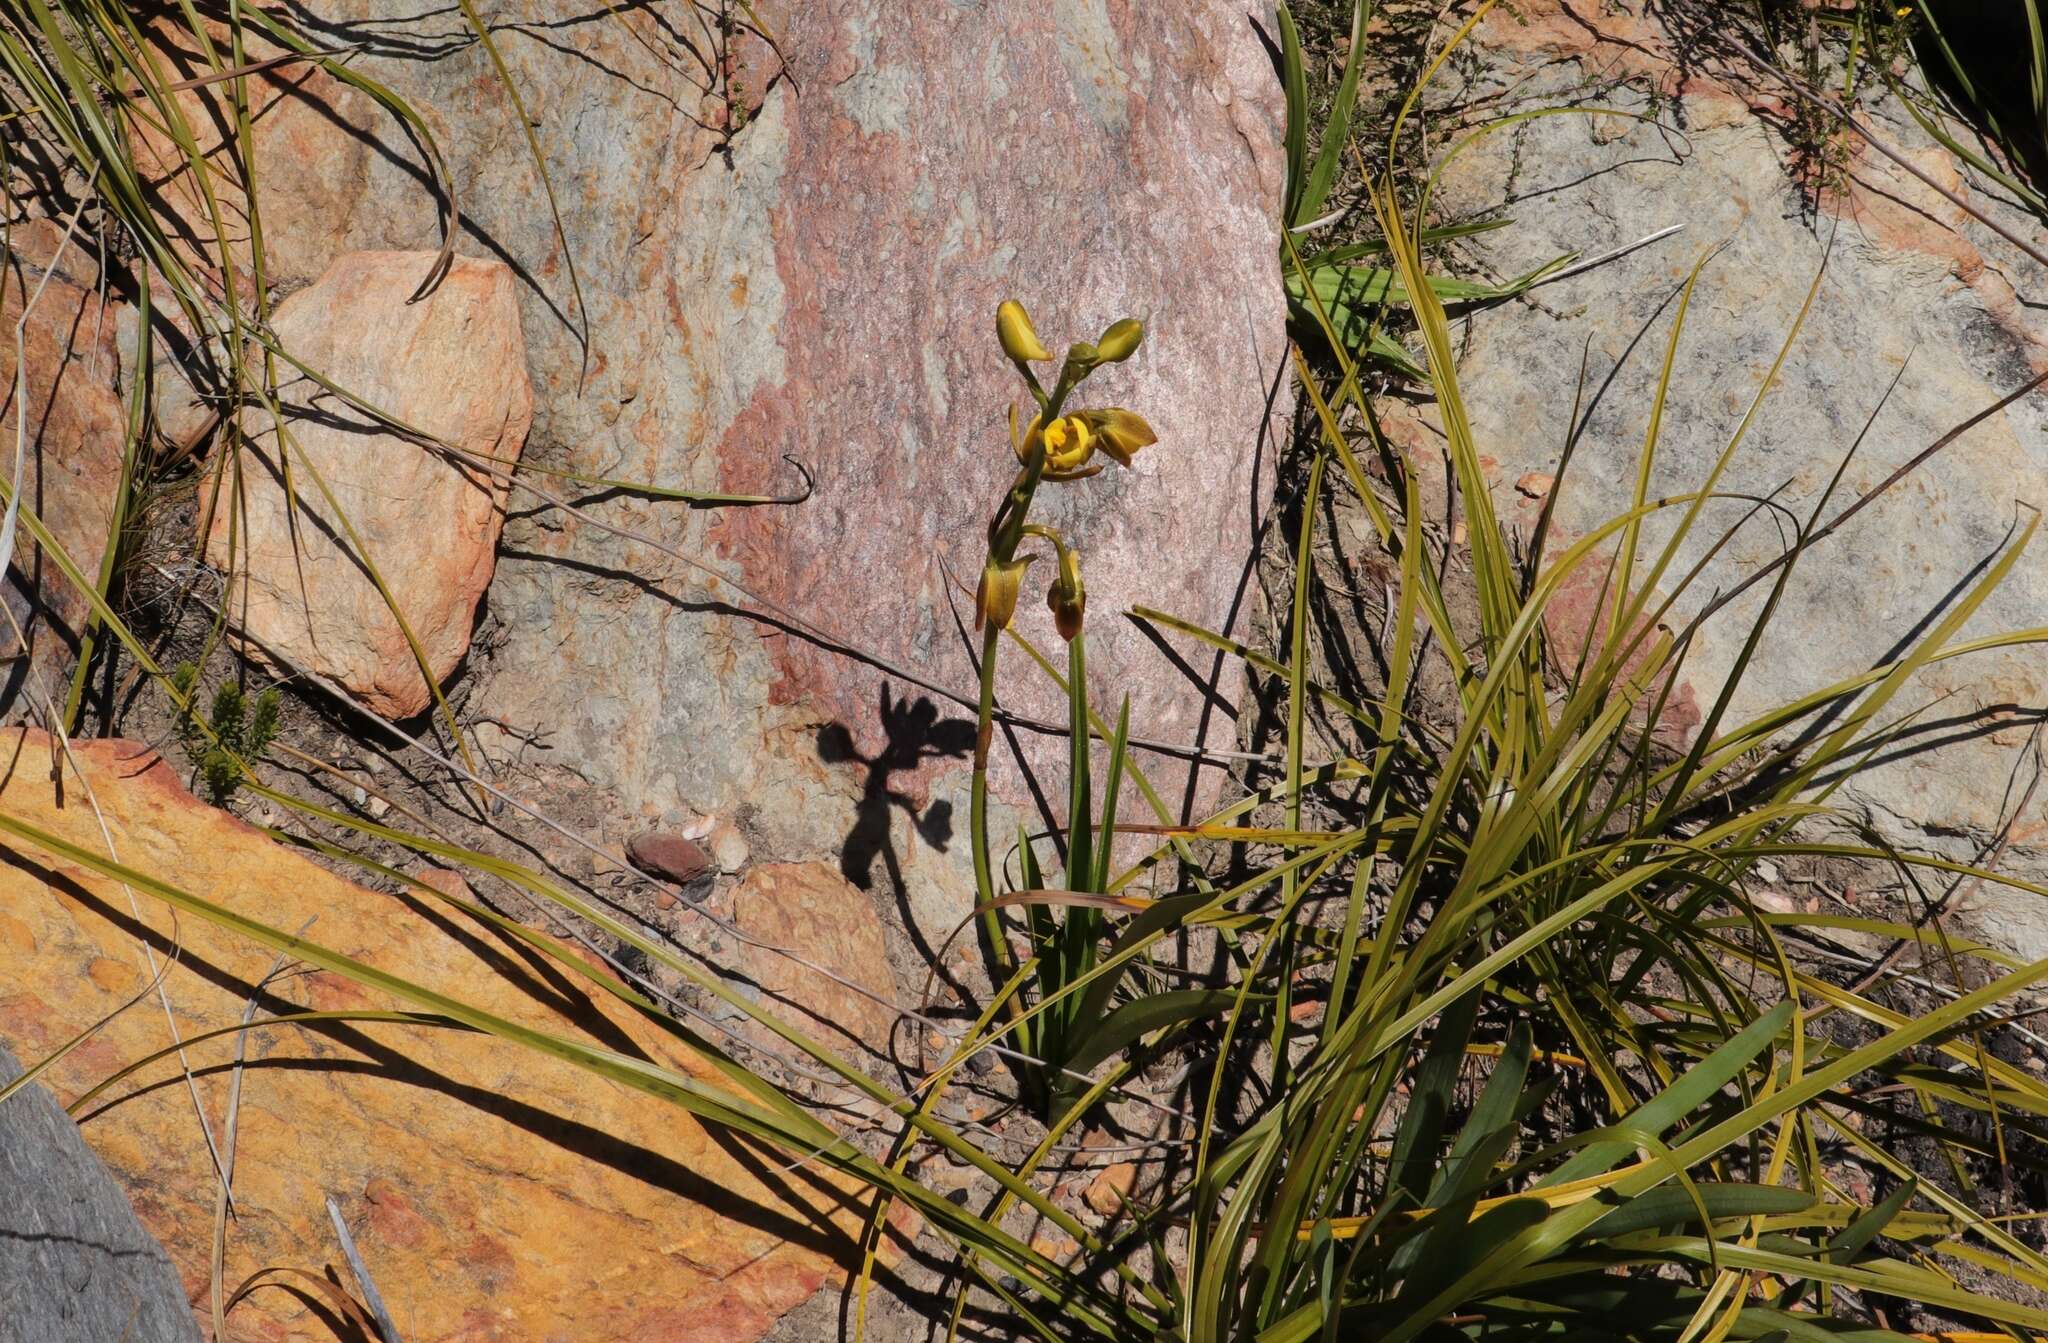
805, 259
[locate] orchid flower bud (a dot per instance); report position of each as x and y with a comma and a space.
1067, 599
1120, 342
1014, 330
995, 600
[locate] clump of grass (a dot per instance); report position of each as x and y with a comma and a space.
1981, 89
241, 730
1356, 300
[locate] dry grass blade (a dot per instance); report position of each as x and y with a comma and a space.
224, 1197
283, 1277
386, 1330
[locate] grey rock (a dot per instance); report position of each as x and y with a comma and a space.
1912, 283
75, 1264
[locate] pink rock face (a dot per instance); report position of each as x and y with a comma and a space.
1093, 161
452, 365
806, 261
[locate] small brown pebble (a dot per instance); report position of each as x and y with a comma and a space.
1536, 484
1111, 1188
665, 900
665, 854
1054, 1247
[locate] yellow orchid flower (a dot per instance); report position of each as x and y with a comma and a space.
1069, 443
1071, 440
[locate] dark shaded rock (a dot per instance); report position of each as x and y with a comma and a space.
75, 1264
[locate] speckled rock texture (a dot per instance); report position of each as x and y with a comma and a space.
842, 991
75, 1265
1914, 289
804, 259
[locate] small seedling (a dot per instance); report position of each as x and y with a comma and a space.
240, 732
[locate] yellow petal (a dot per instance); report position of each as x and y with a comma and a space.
995, 600
1022, 443
1120, 433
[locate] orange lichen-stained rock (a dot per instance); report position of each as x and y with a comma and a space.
494, 1194
73, 428
453, 365
838, 984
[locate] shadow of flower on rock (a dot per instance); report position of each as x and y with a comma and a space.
913, 735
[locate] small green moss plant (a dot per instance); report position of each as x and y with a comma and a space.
241, 731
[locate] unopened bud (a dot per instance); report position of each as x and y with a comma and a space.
1067, 599
1014, 330
995, 600
1121, 341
